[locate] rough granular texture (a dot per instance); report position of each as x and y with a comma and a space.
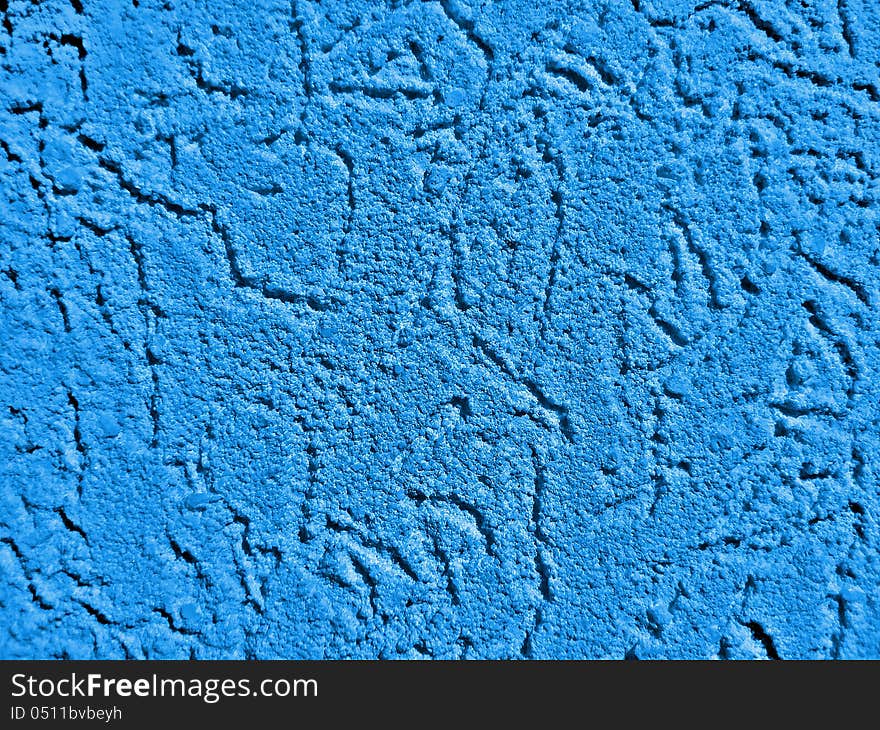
440, 329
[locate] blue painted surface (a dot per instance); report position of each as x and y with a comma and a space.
439, 329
